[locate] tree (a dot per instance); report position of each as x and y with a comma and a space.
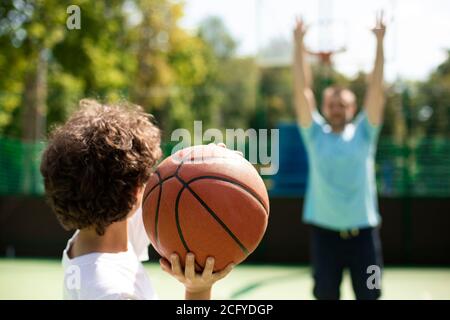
173, 67
47, 68
230, 91
29, 31
435, 93
215, 33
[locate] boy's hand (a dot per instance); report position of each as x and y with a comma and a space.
223, 145
198, 285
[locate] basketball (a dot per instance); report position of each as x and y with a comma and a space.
207, 200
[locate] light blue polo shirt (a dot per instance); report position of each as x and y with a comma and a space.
341, 192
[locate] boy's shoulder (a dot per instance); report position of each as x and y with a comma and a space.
105, 276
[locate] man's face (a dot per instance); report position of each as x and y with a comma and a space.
338, 111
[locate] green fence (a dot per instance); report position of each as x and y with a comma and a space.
419, 168
19, 167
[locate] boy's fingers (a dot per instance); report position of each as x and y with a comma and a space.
239, 153
189, 269
165, 265
220, 144
176, 268
223, 145
209, 267
222, 274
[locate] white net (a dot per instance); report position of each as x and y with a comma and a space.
333, 26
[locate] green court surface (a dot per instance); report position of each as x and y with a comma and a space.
42, 279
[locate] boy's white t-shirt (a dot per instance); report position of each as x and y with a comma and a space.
111, 276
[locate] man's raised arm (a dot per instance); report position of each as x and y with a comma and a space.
374, 100
304, 101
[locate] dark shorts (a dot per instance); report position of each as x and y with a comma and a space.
332, 252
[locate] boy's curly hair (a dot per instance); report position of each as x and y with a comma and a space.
95, 162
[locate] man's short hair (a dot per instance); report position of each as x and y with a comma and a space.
95, 162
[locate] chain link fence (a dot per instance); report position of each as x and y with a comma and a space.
415, 168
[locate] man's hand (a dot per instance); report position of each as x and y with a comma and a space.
304, 102
299, 30
380, 27
374, 100
198, 285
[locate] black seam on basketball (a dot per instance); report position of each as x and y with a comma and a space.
243, 187
157, 207
210, 211
178, 168
156, 185
146, 194
181, 163
165, 179
214, 215
176, 174
177, 220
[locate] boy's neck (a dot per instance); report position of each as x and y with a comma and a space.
114, 240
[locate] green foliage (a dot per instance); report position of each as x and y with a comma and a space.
435, 93
214, 32
150, 60
227, 97
276, 96
137, 50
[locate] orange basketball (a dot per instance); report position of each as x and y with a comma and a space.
207, 200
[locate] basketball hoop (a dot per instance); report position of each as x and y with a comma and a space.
325, 57
326, 39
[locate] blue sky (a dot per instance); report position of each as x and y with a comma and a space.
418, 30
